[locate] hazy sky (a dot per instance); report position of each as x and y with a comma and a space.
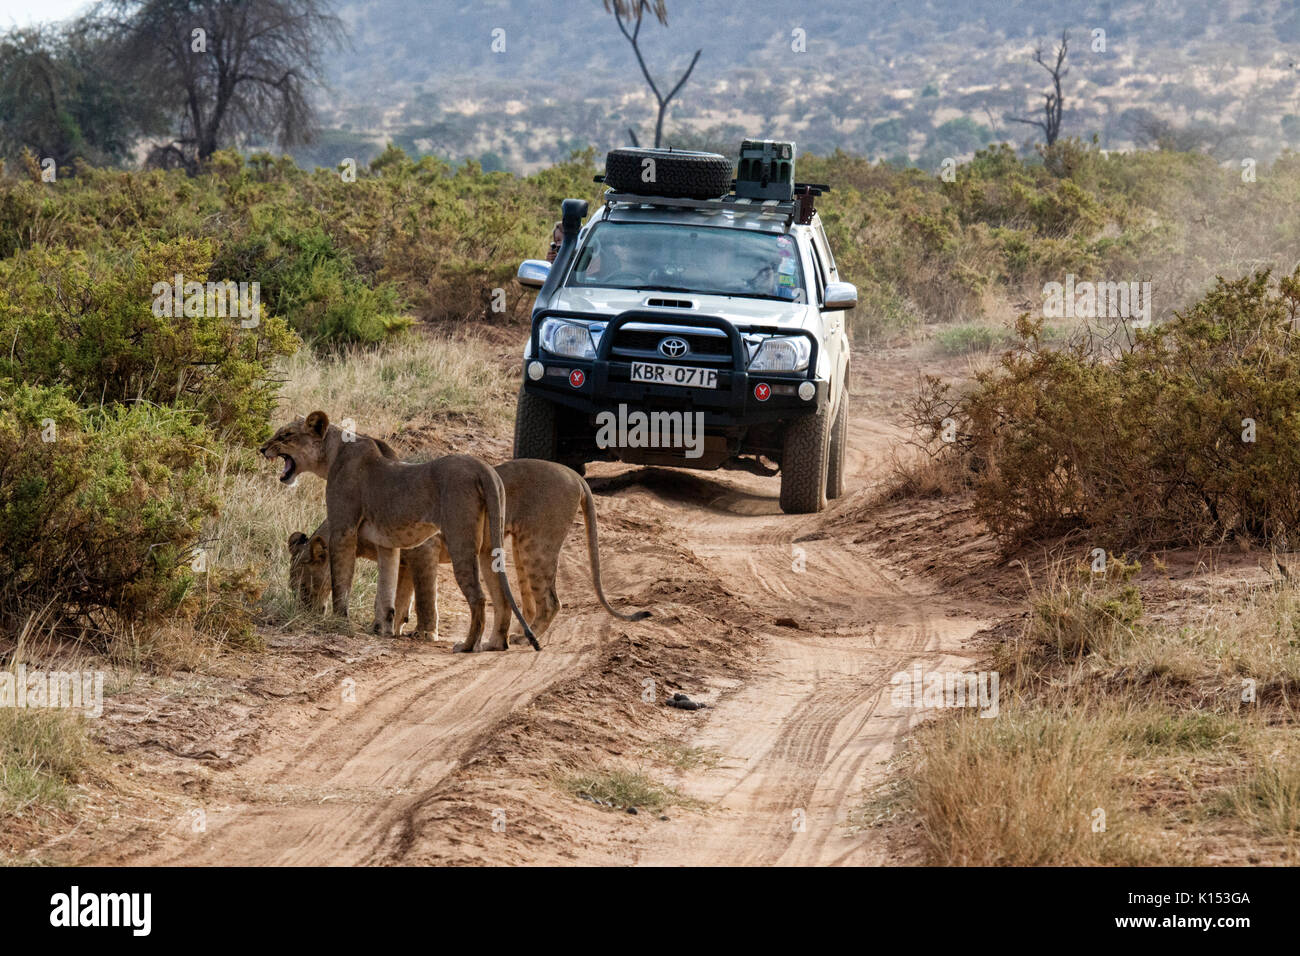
25, 12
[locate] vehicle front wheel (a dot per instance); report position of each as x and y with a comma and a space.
535, 432
839, 443
805, 462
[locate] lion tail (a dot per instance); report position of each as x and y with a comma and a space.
593, 552
494, 499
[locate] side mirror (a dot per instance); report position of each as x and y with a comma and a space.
533, 273
841, 295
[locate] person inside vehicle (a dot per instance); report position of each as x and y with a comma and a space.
603, 264
764, 281
557, 237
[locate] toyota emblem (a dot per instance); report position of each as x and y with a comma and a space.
673, 347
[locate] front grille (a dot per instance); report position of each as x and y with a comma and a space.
703, 348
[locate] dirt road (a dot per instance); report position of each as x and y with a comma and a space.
360, 776
800, 743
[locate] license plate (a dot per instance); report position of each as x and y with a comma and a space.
684, 375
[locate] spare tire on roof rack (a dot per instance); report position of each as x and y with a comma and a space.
675, 173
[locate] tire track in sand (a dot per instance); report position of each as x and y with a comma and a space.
802, 742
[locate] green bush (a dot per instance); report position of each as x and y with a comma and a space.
1188, 435
86, 320
314, 285
101, 509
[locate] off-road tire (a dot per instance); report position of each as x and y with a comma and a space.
839, 442
681, 173
535, 432
805, 462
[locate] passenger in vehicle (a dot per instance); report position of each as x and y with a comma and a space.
764, 281
557, 237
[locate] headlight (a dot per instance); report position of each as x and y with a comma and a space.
781, 354
565, 338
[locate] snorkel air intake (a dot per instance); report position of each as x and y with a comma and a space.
572, 212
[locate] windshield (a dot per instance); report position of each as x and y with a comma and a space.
702, 259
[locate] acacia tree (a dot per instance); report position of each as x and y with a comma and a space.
634, 11
1050, 124
224, 71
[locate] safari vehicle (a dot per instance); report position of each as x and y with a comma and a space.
689, 294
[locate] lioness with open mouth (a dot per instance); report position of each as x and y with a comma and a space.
400, 506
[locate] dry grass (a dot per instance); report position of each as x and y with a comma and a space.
1257, 639
42, 753
915, 474
42, 750
620, 788
1149, 722
415, 380
1269, 798
1081, 611
1030, 787
258, 515
684, 757
1232, 648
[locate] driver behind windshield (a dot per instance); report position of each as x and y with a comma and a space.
604, 263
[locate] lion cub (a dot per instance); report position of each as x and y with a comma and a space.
397, 506
542, 498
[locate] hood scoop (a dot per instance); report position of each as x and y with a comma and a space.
658, 302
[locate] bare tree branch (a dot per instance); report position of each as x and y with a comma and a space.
634, 11
1054, 103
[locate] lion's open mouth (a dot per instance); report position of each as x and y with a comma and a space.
290, 469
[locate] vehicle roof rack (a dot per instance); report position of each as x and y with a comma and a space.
775, 209
804, 195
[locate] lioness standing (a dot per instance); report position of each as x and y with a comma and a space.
399, 506
542, 499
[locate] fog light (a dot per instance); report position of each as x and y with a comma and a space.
807, 390
535, 370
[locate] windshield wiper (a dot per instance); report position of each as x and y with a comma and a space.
749, 295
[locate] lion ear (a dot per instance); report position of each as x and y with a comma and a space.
319, 550
296, 541
318, 422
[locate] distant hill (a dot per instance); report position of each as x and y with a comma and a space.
910, 81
